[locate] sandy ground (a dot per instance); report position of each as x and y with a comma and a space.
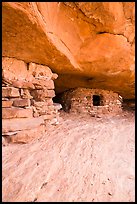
81, 159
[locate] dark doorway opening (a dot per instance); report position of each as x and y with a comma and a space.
96, 100
64, 101
57, 98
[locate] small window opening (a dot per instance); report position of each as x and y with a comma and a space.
96, 100
27, 66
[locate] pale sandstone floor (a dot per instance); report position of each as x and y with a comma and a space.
81, 159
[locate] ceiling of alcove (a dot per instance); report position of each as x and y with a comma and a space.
88, 44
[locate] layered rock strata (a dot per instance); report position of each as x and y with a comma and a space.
27, 106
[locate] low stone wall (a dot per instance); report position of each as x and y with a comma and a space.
80, 100
27, 106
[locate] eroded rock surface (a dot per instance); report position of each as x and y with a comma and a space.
83, 159
88, 45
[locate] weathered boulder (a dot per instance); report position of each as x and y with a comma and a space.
15, 70
88, 44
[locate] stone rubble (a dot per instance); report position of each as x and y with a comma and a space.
27, 106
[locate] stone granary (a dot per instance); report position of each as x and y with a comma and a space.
27, 106
94, 102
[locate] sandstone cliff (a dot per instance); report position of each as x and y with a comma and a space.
87, 44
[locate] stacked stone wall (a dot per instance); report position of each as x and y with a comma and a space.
80, 100
27, 106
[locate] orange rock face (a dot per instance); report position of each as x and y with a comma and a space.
88, 45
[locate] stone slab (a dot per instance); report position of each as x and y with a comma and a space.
47, 102
11, 125
25, 93
7, 104
38, 70
41, 95
21, 102
57, 106
17, 113
23, 84
10, 92
25, 136
40, 84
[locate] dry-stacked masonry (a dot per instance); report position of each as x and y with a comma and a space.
94, 102
27, 106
